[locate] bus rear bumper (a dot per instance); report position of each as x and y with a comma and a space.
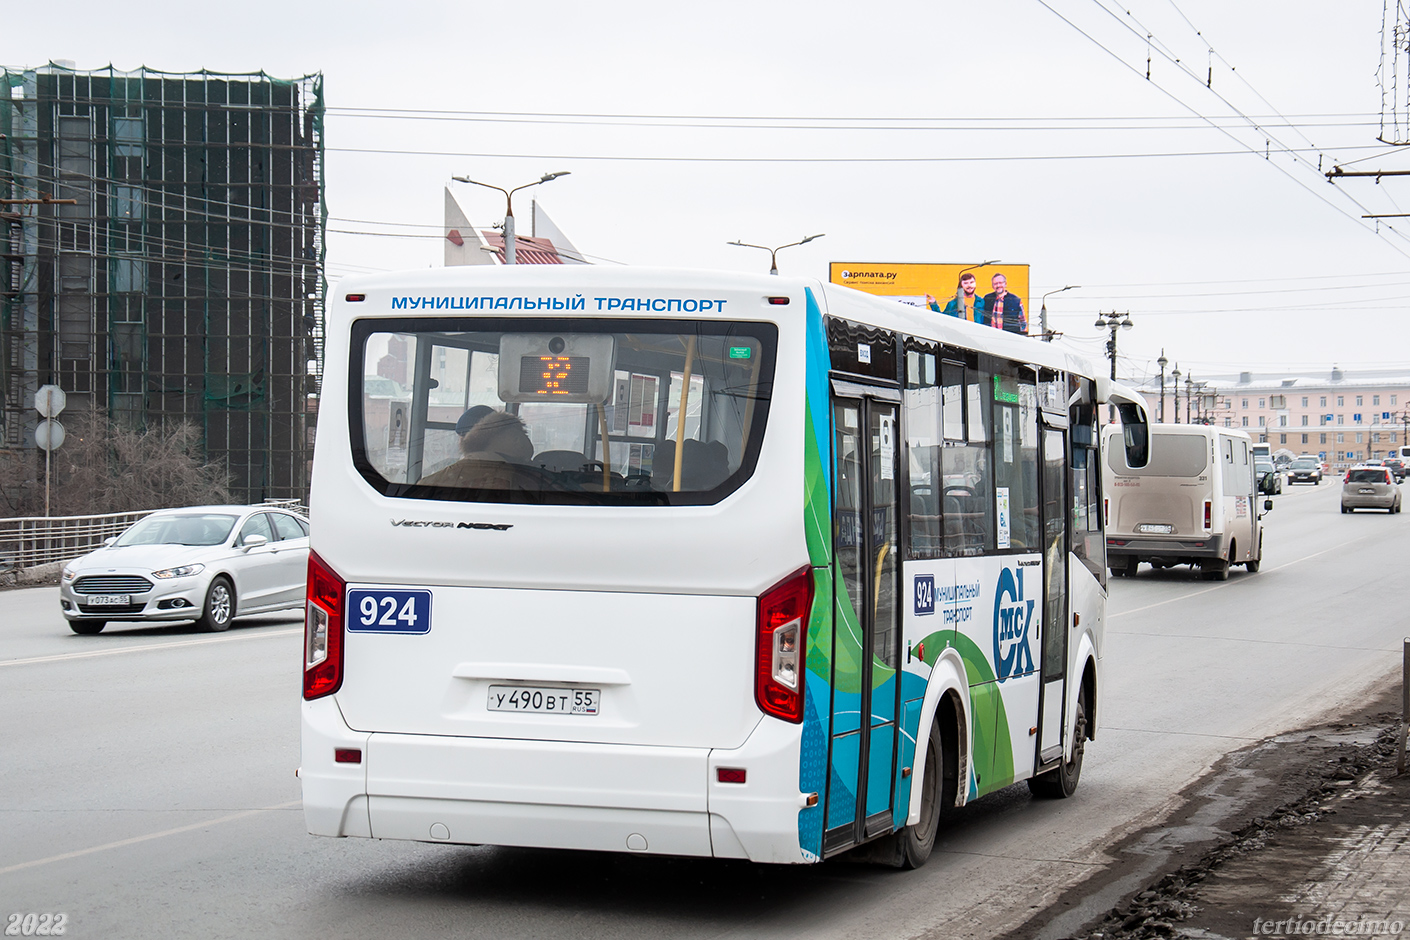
555, 794
1167, 551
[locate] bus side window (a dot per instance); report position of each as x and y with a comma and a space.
1016, 453
924, 413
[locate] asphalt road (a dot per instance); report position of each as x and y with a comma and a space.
147, 775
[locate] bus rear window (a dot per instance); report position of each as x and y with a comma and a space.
595, 412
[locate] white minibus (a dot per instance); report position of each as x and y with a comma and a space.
1194, 503
693, 563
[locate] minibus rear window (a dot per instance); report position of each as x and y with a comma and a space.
559, 411
1172, 455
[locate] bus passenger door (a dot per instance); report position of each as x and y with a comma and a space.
867, 623
1054, 665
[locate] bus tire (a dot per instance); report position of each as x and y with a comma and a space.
1061, 782
909, 847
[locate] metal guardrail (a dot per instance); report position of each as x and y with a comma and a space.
29, 541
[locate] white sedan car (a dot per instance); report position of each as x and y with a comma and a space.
204, 563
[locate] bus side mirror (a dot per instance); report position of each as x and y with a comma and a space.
1135, 434
1267, 505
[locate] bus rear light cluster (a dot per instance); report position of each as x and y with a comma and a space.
730, 774
323, 630
782, 636
1208, 513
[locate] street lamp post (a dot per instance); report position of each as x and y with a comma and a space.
773, 252
1189, 390
1043, 312
1175, 385
1162, 362
509, 205
1111, 322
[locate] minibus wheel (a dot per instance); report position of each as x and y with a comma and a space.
909, 847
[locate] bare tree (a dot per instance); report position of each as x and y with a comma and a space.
104, 467
21, 482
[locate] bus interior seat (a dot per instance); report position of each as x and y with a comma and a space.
704, 465
558, 460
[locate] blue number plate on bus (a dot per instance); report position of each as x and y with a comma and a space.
389, 611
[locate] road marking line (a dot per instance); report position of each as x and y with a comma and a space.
58, 657
1227, 584
148, 837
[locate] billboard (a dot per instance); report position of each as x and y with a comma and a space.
997, 295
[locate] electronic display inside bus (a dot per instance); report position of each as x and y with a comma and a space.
563, 367
551, 377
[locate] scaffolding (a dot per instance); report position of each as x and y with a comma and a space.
185, 281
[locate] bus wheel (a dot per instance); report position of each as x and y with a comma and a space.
1132, 566
1218, 570
1061, 782
909, 847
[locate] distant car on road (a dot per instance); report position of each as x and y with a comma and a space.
1269, 477
1397, 467
1370, 487
205, 563
1305, 470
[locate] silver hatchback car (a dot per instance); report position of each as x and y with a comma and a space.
1369, 487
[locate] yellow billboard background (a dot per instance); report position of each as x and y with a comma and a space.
911, 283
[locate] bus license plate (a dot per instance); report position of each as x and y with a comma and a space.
540, 700
96, 599
1152, 527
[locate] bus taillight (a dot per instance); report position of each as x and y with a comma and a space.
782, 635
323, 630
1208, 514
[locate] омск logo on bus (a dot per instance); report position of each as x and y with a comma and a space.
1013, 616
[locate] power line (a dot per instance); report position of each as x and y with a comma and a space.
1398, 249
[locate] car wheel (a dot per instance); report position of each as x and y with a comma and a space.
1344, 510
87, 627
1061, 782
220, 606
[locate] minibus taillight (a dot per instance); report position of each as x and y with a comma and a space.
782, 636
323, 630
1208, 513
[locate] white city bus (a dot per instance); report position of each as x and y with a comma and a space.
693, 563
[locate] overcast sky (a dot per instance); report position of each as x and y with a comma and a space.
926, 131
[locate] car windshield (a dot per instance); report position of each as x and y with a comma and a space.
1264, 466
1304, 465
1367, 476
197, 528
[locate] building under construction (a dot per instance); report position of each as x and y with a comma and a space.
163, 243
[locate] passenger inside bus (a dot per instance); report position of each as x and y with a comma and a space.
491, 444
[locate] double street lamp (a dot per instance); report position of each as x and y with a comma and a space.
773, 252
1175, 384
1113, 321
509, 205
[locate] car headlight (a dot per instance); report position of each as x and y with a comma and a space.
185, 571
68, 575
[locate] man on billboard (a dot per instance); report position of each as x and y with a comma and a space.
1005, 310
966, 304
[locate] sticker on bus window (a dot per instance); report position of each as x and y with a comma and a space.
740, 352
1001, 507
